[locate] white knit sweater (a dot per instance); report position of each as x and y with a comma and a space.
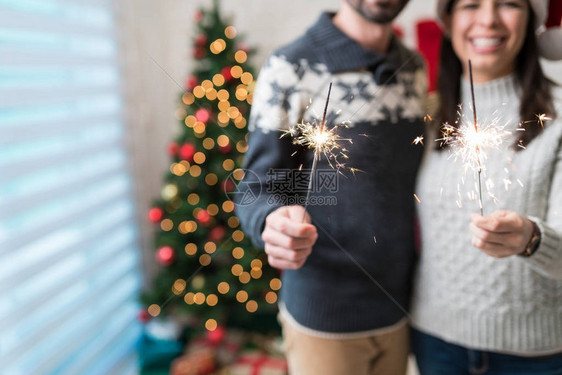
464, 296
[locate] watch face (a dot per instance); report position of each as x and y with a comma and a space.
536, 243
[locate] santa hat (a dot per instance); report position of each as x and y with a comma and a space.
548, 17
549, 36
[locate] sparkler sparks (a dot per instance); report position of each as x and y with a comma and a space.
471, 140
542, 118
418, 140
322, 140
470, 145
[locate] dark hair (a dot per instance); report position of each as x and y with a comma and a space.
536, 97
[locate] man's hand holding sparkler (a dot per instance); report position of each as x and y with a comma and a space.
502, 234
288, 240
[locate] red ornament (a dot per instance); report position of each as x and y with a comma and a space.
226, 73
198, 16
165, 255
187, 150
143, 316
203, 217
217, 336
200, 40
203, 115
173, 148
191, 82
155, 214
199, 52
228, 185
225, 149
217, 233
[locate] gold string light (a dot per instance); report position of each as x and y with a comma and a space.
233, 222
236, 270
210, 247
190, 121
208, 143
188, 98
199, 92
167, 225
271, 297
252, 306
236, 71
228, 164
191, 249
230, 32
275, 284
242, 296
199, 298
223, 95
195, 171
218, 80
193, 199
205, 259
223, 287
212, 299
227, 206
238, 253
244, 277
178, 287
199, 157
189, 298
211, 179
246, 78
154, 310
238, 174
211, 324
240, 56
237, 235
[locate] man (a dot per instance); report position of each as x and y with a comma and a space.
347, 260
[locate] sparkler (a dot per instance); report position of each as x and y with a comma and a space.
322, 140
470, 140
477, 145
541, 118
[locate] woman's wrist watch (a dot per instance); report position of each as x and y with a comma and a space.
533, 243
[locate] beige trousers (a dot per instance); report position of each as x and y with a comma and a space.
383, 354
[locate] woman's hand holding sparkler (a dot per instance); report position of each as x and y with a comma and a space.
502, 234
288, 240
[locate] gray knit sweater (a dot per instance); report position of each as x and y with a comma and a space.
464, 296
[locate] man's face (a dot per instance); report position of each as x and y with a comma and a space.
378, 11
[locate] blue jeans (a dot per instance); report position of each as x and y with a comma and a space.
437, 357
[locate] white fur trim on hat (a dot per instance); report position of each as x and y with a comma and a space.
550, 44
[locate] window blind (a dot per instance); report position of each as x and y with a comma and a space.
69, 260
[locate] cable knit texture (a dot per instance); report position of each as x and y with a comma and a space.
464, 296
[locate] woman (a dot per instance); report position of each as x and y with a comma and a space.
488, 291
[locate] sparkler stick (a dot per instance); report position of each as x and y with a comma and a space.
477, 146
316, 155
323, 140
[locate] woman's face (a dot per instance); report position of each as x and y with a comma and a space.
490, 33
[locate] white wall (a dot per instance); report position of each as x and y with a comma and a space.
157, 45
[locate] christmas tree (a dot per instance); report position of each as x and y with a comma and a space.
209, 271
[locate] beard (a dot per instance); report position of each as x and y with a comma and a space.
383, 12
